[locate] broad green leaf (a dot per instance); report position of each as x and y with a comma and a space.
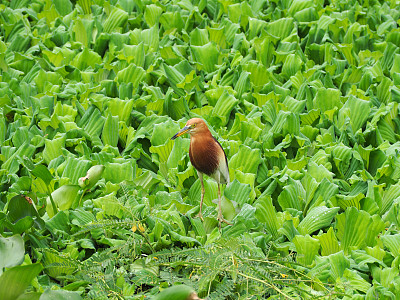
351, 108
43, 173
75, 168
172, 20
389, 196
63, 197
121, 108
238, 192
207, 56
291, 65
327, 99
56, 265
110, 131
117, 18
85, 59
53, 148
292, 197
319, 172
134, 54
298, 5
281, 28
317, 218
19, 207
266, 213
353, 226
339, 263
63, 7
307, 248
83, 30
246, 159
306, 15
199, 37
11, 163
392, 242
110, 205
356, 281
119, 172
375, 229
131, 74
163, 132
15, 280
12, 252
152, 14
59, 294
224, 106
211, 192
329, 243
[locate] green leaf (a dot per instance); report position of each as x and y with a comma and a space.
350, 109
53, 148
317, 218
329, 243
389, 196
177, 292
354, 228
356, 281
327, 99
119, 172
85, 59
392, 242
292, 64
224, 106
266, 213
59, 294
55, 265
75, 168
238, 192
207, 56
117, 18
339, 263
281, 28
12, 252
307, 248
43, 173
109, 135
131, 74
121, 108
14, 281
246, 159
292, 197
64, 7
152, 14
63, 197
19, 207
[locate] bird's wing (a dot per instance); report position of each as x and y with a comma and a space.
223, 166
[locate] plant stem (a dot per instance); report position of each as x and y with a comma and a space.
53, 204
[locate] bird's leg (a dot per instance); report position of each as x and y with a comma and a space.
202, 195
220, 216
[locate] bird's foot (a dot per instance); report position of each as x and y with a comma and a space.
221, 219
200, 215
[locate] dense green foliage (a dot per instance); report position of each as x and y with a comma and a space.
302, 95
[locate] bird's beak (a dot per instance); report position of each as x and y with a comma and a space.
182, 131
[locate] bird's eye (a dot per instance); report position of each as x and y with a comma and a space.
194, 125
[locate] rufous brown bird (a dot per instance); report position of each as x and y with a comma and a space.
208, 157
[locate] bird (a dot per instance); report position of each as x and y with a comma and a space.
207, 157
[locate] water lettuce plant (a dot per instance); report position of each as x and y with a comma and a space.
302, 95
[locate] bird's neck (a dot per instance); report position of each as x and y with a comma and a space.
205, 134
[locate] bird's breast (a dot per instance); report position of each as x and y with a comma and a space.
206, 154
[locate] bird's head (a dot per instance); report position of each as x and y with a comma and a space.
193, 127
